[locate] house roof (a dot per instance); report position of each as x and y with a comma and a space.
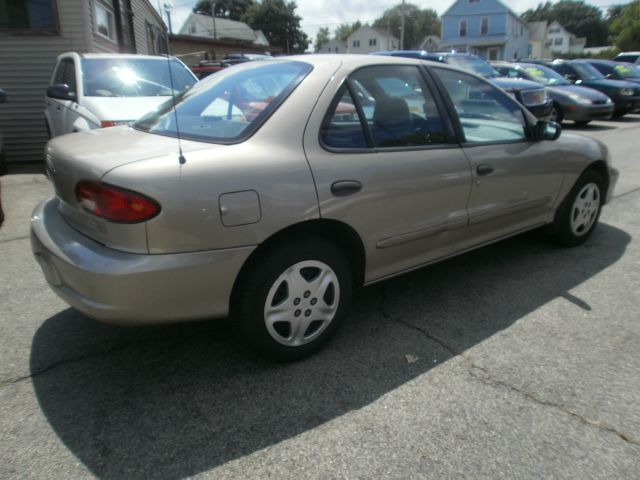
377, 30
454, 4
225, 28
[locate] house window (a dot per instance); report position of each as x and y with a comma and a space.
554, 30
37, 17
373, 42
356, 43
463, 28
484, 26
156, 40
558, 41
105, 22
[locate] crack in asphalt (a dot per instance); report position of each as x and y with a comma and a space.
12, 381
15, 239
630, 192
383, 302
490, 380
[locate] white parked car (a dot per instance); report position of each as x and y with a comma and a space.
96, 90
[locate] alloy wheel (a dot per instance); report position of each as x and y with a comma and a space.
301, 303
585, 208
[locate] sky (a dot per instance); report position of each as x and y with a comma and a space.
331, 13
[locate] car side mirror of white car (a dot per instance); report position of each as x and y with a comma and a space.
547, 130
61, 91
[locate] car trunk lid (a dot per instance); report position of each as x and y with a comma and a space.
88, 157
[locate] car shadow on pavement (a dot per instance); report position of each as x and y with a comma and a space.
174, 401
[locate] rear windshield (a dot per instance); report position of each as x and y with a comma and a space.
134, 77
229, 106
627, 58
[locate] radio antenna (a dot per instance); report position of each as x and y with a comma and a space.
181, 158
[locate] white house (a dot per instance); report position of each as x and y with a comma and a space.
368, 39
562, 41
335, 45
33, 34
538, 40
199, 25
430, 43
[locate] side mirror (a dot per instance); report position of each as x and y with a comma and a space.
3, 96
547, 130
61, 91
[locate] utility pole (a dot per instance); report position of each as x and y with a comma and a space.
213, 18
167, 9
402, 28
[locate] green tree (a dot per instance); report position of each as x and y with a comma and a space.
418, 23
576, 16
343, 30
278, 21
626, 28
322, 38
231, 9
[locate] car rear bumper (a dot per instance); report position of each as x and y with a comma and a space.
131, 289
586, 113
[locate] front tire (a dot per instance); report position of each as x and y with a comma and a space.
581, 209
557, 115
293, 298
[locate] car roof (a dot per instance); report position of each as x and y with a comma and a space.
123, 55
351, 59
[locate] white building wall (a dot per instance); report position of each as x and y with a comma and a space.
366, 40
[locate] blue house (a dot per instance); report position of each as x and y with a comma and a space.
487, 28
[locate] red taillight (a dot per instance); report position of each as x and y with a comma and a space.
115, 204
110, 123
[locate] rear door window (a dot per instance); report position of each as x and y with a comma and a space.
342, 127
399, 109
486, 114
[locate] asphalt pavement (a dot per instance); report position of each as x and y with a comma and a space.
517, 360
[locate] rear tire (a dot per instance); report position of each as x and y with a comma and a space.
579, 213
293, 298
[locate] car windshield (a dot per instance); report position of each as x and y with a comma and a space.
586, 71
544, 75
473, 64
134, 77
626, 70
229, 106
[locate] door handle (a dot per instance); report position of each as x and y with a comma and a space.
484, 169
344, 188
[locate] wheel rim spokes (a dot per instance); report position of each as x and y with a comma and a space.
585, 208
301, 303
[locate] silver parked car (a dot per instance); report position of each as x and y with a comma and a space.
297, 180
